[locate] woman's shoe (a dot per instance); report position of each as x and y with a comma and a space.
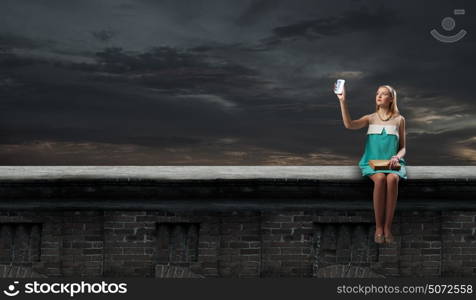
389, 239
379, 238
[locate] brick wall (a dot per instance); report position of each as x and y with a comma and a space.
237, 243
458, 243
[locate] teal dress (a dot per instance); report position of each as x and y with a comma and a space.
381, 145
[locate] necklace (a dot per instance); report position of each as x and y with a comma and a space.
386, 118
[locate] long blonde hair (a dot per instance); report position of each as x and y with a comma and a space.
393, 106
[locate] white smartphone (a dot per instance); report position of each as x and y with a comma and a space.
339, 89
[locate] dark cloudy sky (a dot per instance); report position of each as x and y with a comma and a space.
221, 82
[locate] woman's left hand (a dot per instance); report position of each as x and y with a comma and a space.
393, 161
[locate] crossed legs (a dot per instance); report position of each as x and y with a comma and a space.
384, 200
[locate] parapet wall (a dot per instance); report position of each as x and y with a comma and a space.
232, 222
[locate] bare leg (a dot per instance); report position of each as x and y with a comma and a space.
391, 202
380, 185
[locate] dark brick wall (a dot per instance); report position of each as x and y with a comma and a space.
302, 243
458, 243
20, 243
129, 241
287, 244
82, 251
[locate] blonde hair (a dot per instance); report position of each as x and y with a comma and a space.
393, 105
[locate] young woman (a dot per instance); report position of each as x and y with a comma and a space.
385, 140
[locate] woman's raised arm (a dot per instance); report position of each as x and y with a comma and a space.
348, 122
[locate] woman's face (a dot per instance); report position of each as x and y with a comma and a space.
383, 97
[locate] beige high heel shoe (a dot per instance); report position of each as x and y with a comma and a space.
389, 239
379, 238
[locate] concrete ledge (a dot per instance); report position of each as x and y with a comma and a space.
138, 173
227, 187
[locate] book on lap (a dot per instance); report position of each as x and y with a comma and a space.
382, 164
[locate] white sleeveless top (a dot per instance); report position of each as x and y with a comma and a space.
391, 126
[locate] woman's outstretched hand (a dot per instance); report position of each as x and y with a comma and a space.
341, 97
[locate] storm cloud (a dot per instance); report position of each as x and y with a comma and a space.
228, 82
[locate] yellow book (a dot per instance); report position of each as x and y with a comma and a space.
382, 164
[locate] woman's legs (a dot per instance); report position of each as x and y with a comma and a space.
391, 202
380, 186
